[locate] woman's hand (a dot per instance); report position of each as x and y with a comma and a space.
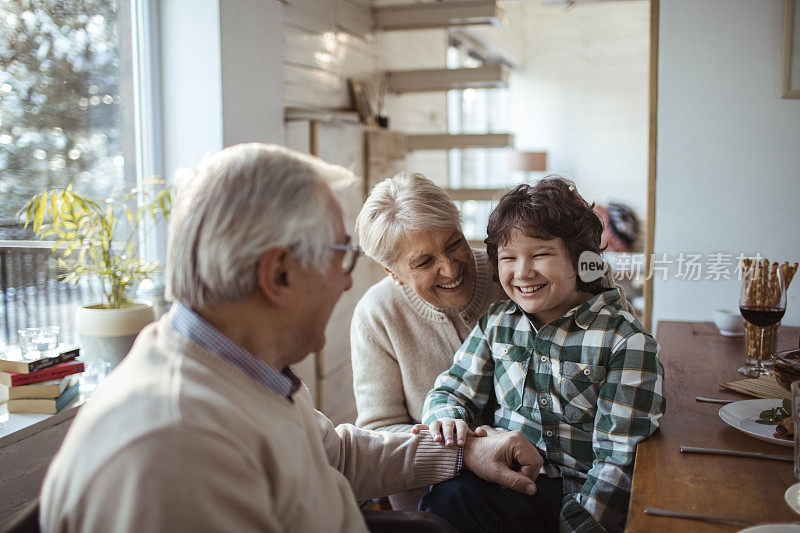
450, 430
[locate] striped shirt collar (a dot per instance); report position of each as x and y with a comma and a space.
193, 327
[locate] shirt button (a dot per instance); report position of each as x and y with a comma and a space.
543, 401
587, 372
549, 433
543, 358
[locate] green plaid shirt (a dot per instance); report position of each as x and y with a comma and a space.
584, 389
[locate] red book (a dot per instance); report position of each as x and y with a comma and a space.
12, 379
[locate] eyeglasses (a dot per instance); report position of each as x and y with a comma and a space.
351, 253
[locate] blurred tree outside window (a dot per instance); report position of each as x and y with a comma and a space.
65, 100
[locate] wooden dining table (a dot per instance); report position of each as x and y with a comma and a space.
696, 360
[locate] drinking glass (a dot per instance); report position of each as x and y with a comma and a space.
762, 303
27, 343
35, 343
94, 374
47, 340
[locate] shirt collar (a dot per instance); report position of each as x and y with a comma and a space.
585, 313
193, 327
588, 311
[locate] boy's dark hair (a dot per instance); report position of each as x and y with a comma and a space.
551, 208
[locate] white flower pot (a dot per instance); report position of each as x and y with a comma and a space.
108, 334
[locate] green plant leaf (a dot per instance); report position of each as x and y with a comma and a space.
54, 209
39, 211
86, 229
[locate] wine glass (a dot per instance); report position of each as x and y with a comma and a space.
762, 303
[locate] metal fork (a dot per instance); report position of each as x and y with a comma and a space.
655, 511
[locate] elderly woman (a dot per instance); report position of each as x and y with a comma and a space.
407, 327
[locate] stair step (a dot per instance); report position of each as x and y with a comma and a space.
445, 79
481, 195
438, 15
447, 141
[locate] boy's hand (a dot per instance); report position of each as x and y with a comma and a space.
450, 429
508, 459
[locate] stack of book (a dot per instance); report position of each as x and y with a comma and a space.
46, 385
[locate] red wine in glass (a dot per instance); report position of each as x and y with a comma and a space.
762, 302
762, 316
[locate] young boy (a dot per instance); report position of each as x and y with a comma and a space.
569, 367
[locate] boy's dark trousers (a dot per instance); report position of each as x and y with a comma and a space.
471, 504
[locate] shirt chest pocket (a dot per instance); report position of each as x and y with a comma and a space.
510, 370
578, 385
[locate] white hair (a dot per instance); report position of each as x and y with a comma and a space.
238, 204
395, 206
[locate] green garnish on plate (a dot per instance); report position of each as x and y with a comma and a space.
773, 416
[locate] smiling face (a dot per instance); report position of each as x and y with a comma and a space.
538, 275
438, 265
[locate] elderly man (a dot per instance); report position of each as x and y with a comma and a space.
204, 427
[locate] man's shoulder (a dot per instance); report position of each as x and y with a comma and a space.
153, 421
154, 392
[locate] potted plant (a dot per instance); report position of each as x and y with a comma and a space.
98, 239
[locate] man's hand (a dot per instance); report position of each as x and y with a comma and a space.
487, 431
508, 459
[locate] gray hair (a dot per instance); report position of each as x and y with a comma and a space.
238, 204
404, 203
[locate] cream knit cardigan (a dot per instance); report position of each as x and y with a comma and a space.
179, 439
400, 343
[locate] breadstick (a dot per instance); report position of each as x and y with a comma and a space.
774, 285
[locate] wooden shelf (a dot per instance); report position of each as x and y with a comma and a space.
445, 79
438, 15
320, 115
446, 141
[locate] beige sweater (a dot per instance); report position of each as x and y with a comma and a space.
179, 439
400, 343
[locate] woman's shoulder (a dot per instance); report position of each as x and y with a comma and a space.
382, 298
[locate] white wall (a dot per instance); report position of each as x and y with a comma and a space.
728, 177
252, 94
580, 92
218, 64
325, 42
191, 94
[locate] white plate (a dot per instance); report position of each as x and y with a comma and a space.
792, 497
726, 333
772, 528
743, 415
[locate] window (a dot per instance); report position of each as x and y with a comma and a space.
66, 116
476, 175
